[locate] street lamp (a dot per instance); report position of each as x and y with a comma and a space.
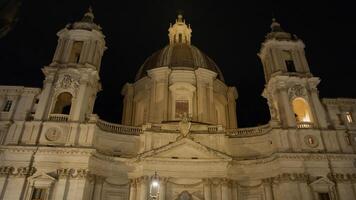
154, 187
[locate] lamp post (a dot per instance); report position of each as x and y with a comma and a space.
154, 187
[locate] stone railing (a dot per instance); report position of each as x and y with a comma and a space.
118, 128
58, 117
305, 125
213, 129
249, 132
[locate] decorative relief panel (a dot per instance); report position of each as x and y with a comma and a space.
311, 141
297, 91
53, 134
67, 82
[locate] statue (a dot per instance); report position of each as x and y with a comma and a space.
184, 126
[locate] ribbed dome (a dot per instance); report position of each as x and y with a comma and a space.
179, 56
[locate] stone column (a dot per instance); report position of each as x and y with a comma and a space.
98, 187
207, 189
77, 112
4, 178
2, 101
133, 189
267, 186
305, 191
201, 102
17, 183
345, 190
225, 189
319, 113
285, 106
162, 189
44, 103
234, 190
143, 181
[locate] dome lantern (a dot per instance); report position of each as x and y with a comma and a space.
180, 32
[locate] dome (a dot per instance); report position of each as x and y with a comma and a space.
179, 56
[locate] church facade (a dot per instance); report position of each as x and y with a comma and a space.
179, 138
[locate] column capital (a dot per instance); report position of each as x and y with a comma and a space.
163, 179
226, 181
206, 181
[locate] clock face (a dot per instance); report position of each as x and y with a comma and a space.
53, 134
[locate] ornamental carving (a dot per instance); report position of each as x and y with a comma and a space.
311, 141
67, 82
53, 134
18, 172
338, 177
301, 177
75, 173
297, 91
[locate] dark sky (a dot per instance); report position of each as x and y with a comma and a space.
229, 32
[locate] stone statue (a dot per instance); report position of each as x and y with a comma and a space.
184, 126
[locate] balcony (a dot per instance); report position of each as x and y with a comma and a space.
58, 117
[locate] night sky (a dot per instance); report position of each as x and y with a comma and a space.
227, 31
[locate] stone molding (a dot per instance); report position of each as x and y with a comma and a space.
17, 171
339, 101
80, 173
49, 150
288, 177
249, 132
340, 177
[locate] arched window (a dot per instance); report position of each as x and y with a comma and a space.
7, 106
301, 110
63, 103
76, 51
288, 59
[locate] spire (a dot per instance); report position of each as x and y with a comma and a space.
275, 26
88, 16
87, 22
277, 32
179, 32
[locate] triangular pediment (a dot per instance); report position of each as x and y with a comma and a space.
185, 149
42, 176
322, 181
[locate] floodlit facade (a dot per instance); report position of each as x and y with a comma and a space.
179, 139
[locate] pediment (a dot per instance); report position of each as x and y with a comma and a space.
42, 176
322, 181
185, 149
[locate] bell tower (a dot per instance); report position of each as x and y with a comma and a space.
72, 79
291, 90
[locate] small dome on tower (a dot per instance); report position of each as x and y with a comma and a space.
277, 32
87, 22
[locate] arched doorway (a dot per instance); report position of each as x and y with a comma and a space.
302, 110
63, 103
